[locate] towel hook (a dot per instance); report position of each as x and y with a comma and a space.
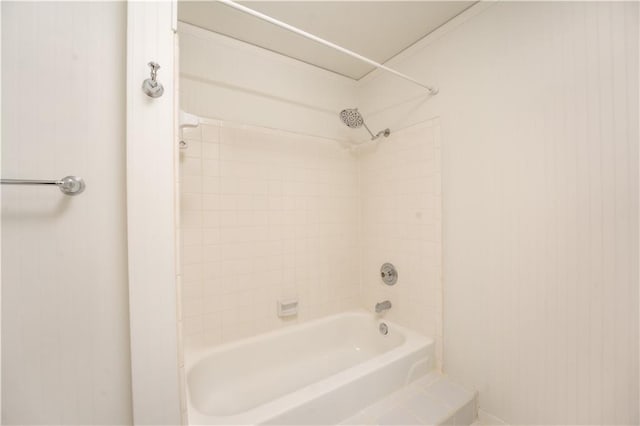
151, 87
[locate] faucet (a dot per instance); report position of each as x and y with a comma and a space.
383, 306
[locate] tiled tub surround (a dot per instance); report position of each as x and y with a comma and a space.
320, 372
401, 223
265, 215
269, 214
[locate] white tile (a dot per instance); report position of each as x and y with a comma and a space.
210, 133
190, 166
191, 184
191, 237
210, 168
192, 325
191, 255
210, 185
210, 151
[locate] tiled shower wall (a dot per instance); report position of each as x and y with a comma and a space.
265, 215
270, 215
401, 223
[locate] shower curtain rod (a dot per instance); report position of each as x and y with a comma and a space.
432, 90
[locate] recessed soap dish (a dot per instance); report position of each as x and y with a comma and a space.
287, 307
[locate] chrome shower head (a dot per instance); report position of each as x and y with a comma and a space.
352, 118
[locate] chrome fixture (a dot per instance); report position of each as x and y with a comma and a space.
383, 306
384, 329
151, 87
389, 274
69, 185
242, 8
352, 118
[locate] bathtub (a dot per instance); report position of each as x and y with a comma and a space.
318, 372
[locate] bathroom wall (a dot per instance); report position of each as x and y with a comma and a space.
230, 80
400, 220
538, 108
265, 215
65, 323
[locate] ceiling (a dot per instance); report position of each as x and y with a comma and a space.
378, 30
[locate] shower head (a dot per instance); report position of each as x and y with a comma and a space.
352, 118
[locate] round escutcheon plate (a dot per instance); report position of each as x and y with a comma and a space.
389, 274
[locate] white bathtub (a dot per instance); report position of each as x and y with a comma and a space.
319, 372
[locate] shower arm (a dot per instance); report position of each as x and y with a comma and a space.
371, 133
432, 90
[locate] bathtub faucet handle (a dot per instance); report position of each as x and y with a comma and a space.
383, 306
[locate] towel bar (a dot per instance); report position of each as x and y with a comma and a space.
69, 185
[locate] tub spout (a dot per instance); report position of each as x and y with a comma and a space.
383, 306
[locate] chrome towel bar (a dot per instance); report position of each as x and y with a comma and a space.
69, 185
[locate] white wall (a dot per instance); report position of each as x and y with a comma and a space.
65, 338
230, 80
157, 371
539, 114
400, 221
265, 215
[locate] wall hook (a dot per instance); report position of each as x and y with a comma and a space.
151, 86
